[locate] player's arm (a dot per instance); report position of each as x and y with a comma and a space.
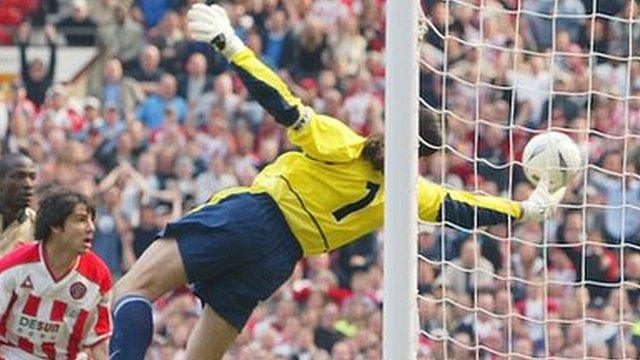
321, 137
268, 89
211, 24
468, 210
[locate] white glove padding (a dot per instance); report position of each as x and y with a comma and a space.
541, 204
211, 24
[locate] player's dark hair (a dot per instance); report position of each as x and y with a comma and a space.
8, 161
373, 151
55, 206
430, 135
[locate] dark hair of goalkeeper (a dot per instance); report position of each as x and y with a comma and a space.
430, 135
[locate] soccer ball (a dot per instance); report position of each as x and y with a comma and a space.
551, 155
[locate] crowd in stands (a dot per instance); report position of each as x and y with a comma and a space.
164, 123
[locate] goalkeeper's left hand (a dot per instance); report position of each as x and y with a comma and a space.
541, 204
211, 24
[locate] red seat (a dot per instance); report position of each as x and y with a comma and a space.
10, 16
25, 6
6, 38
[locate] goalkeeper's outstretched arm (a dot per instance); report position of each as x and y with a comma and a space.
211, 24
320, 137
470, 210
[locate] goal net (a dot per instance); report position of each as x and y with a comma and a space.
497, 72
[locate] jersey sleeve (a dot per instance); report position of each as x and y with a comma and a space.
459, 206
320, 137
7, 286
267, 88
8, 283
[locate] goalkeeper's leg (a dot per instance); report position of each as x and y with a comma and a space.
211, 337
158, 271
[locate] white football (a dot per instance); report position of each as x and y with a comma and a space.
553, 155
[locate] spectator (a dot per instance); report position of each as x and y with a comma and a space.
122, 38
341, 351
459, 276
306, 57
357, 104
92, 119
222, 97
184, 183
145, 233
148, 70
58, 112
167, 37
329, 12
527, 263
35, 77
151, 110
621, 34
541, 27
350, 45
147, 169
112, 241
103, 11
325, 334
118, 89
111, 128
170, 134
631, 269
619, 225
275, 38
79, 29
154, 10
196, 82
215, 178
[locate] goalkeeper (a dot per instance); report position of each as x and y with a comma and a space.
243, 243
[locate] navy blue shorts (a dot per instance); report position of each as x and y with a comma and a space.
237, 252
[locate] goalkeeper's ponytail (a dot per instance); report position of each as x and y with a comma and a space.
373, 151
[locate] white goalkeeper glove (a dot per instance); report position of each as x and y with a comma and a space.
541, 204
211, 24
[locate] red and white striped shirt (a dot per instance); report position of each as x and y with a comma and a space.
42, 317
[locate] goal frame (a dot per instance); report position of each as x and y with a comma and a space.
400, 316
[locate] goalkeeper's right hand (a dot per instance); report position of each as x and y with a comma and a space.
541, 204
211, 24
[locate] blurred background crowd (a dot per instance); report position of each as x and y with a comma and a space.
163, 123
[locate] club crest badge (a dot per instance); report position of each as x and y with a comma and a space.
77, 290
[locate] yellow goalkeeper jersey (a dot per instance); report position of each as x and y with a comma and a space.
329, 195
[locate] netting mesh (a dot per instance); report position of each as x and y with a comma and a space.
497, 72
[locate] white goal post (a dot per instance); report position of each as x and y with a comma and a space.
400, 320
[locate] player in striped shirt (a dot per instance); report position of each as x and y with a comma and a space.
55, 293
242, 244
